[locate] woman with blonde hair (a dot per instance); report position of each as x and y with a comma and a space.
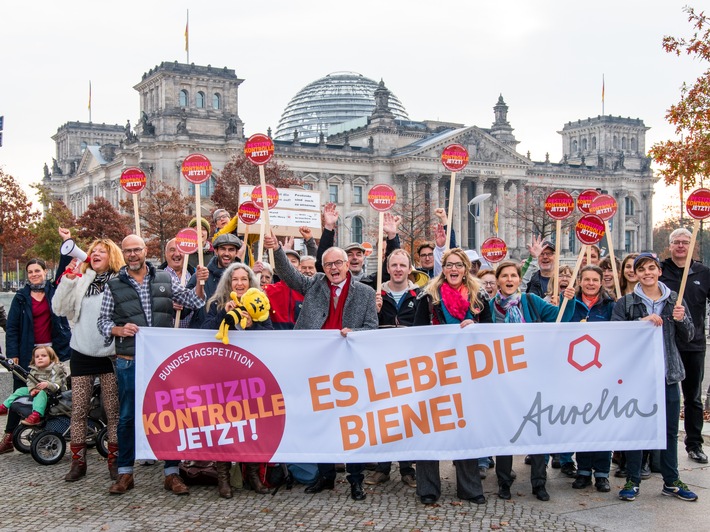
453, 296
627, 275
78, 298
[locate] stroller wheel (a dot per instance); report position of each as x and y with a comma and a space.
48, 447
22, 438
102, 442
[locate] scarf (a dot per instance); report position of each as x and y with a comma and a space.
335, 313
97, 285
37, 287
510, 306
454, 304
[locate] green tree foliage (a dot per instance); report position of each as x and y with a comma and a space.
44, 231
686, 161
16, 214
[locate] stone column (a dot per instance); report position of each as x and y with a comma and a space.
502, 211
620, 219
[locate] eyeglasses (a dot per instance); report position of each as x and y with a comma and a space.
132, 251
489, 283
547, 254
425, 255
451, 265
336, 263
225, 215
680, 242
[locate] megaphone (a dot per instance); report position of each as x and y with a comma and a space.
70, 248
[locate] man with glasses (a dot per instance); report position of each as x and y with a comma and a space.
331, 300
692, 353
139, 296
546, 263
426, 258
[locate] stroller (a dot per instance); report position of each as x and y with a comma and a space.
47, 442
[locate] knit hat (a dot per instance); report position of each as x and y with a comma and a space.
205, 224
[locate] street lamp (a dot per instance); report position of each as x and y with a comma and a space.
475, 211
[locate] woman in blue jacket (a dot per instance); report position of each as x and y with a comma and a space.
592, 303
511, 306
31, 322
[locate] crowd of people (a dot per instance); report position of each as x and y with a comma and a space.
84, 323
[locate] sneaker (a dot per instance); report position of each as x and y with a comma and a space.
629, 491
3, 410
697, 455
645, 471
569, 469
680, 490
621, 472
581, 482
377, 478
32, 420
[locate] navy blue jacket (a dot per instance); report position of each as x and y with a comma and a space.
20, 339
600, 311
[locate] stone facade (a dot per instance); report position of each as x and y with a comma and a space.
188, 108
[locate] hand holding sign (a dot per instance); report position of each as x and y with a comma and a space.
197, 169
186, 242
259, 149
559, 205
454, 158
605, 207
133, 180
381, 198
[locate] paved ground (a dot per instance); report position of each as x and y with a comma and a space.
38, 494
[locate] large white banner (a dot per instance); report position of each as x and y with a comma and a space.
437, 392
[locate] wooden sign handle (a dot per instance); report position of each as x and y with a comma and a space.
136, 216
200, 244
556, 271
610, 240
573, 281
183, 277
450, 214
380, 252
688, 260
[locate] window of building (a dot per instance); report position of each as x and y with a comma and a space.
333, 193
216, 101
584, 144
629, 206
83, 146
628, 241
574, 146
200, 100
623, 143
615, 143
357, 196
594, 143
633, 144
356, 229
184, 98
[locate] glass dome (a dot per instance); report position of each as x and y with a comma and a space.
334, 99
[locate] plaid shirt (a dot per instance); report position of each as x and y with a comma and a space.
184, 322
186, 298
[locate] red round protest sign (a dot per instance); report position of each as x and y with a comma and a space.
603, 206
368, 248
186, 240
698, 203
559, 205
585, 200
381, 197
259, 148
249, 213
494, 249
196, 168
589, 229
454, 157
233, 409
133, 180
272, 196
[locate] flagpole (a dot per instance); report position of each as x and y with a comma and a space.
602, 94
89, 101
187, 37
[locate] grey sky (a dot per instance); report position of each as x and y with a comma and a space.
446, 61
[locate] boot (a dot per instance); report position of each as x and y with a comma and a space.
254, 480
112, 459
223, 485
78, 462
6, 445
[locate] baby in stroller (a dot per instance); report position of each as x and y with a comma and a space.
46, 373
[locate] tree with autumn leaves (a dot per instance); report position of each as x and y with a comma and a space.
241, 171
16, 215
686, 162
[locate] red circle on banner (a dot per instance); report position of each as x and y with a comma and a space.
199, 411
454, 157
272, 196
585, 200
249, 213
133, 180
589, 229
259, 148
196, 168
186, 240
494, 249
559, 205
603, 206
698, 203
381, 197
368, 248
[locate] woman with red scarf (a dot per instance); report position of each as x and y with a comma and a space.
454, 296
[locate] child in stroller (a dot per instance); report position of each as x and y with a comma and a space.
46, 373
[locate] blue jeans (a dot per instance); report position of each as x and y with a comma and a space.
669, 455
126, 376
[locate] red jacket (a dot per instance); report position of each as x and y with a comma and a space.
285, 305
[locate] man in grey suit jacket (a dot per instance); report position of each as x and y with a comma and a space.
331, 300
